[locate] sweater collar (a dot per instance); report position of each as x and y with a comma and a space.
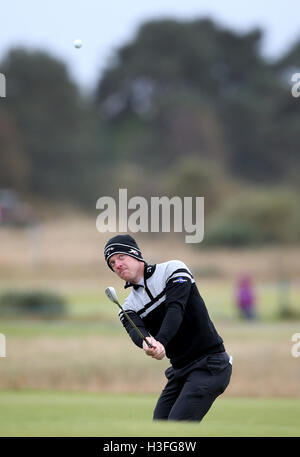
148, 272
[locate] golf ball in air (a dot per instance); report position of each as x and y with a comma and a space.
77, 43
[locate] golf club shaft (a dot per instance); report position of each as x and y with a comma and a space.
134, 326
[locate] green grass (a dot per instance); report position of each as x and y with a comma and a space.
219, 296
56, 413
93, 326
59, 328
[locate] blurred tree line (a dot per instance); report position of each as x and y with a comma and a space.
185, 108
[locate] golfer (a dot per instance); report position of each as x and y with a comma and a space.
166, 306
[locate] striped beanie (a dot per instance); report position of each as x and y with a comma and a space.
122, 244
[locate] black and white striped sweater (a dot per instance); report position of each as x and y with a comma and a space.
167, 305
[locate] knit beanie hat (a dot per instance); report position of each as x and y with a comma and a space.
122, 244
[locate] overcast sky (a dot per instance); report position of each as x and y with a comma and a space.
105, 25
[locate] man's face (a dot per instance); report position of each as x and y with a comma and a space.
127, 268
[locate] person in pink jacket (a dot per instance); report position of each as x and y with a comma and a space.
245, 298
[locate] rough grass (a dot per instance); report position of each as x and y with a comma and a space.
88, 356
71, 248
50, 413
91, 351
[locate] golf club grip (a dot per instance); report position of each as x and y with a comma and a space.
135, 327
147, 342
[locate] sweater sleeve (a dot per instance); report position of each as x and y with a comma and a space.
178, 289
136, 338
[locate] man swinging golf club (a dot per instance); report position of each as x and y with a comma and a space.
170, 318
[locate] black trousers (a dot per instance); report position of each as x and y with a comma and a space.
191, 390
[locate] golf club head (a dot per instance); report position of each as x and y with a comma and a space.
111, 294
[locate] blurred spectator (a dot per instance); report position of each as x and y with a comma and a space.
245, 298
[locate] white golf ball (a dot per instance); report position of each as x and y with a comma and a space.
77, 43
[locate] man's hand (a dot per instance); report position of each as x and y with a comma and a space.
157, 352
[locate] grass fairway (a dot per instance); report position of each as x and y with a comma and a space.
56, 413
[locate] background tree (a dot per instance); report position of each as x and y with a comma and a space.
54, 124
196, 88
14, 166
185, 108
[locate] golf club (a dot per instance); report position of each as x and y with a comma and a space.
112, 295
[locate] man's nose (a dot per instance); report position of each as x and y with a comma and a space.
118, 263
